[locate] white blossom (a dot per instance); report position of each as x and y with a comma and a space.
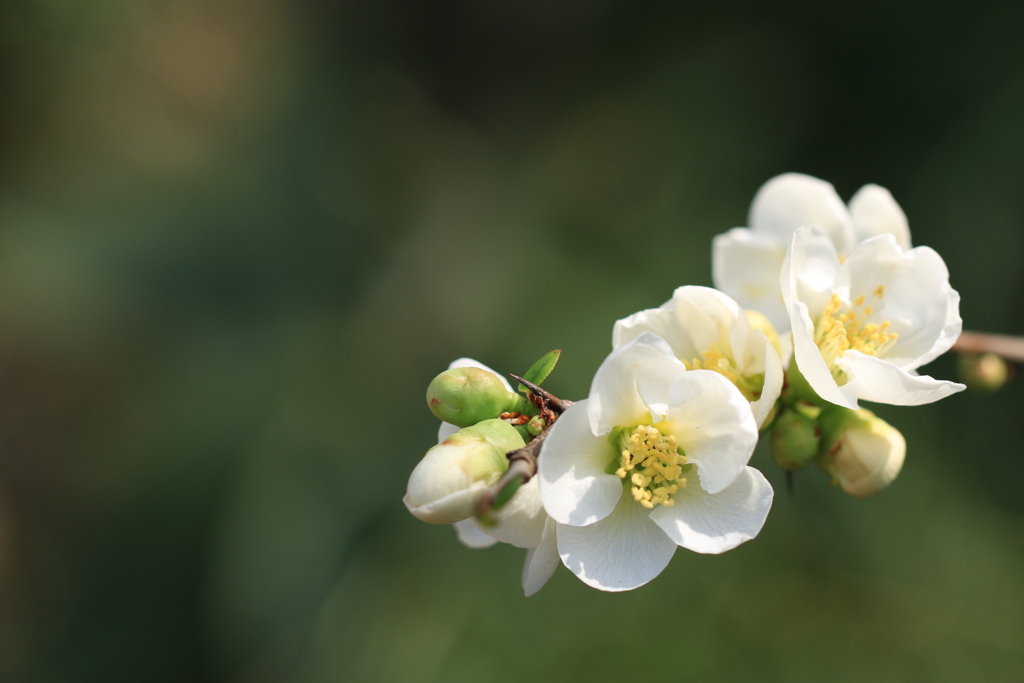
746, 261
655, 458
864, 325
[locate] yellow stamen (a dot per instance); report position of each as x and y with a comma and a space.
656, 463
838, 332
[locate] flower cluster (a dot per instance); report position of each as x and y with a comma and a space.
818, 305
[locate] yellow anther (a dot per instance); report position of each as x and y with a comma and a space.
657, 462
837, 332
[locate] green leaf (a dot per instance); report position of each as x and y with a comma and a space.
540, 370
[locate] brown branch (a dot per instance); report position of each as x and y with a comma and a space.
1010, 348
556, 404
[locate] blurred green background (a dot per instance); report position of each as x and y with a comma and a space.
239, 237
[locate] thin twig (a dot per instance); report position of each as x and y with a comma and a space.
556, 404
522, 466
1010, 348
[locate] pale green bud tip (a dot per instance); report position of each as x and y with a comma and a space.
983, 372
446, 485
759, 321
794, 440
536, 425
465, 396
864, 453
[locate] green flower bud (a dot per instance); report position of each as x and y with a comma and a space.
759, 321
983, 372
794, 439
465, 396
536, 425
446, 485
862, 453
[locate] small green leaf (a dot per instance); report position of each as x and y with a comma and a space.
540, 370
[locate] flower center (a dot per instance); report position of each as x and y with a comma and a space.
837, 332
724, 364
656, 464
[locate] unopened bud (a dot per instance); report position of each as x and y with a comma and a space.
863, 453
794, 439
983, 372
445, 486
536, 425
467, 395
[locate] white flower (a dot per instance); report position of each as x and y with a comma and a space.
655, 458
746, 261
708, 330
862, 327
522, 522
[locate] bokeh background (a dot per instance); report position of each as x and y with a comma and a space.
239, 237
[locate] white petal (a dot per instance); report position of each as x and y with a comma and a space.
918, 302
691, 321
663, 322
470, 363
714, 523
810, 270
808, 358
883, 382
791, 200
541, 561
746, 266
472, 536
445, 430
773, 379
714, 426
521, 521
574, 486
632, 381
950, 330
623, 551
452, 508
875, 212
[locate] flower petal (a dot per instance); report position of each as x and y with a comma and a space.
916, 298
773, 379
707, 523
714, 426
880, 381
521, 521
875, 212
812, 366
623, 551
470, 363
574, 486
809, 271
791, 200
449, 509
746, 265
691, 321
445, 430
541, 561
632, 382
472, 536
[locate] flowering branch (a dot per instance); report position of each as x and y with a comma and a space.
522, 462
1010, 348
